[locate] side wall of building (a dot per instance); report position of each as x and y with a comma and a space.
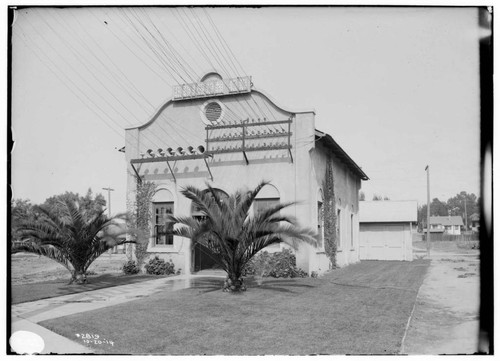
346, 189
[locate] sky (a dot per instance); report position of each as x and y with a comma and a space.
397, 88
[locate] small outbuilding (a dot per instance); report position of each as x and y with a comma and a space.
386, 229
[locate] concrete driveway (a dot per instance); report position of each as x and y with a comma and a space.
445, 319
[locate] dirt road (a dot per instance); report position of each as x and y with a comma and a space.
446, 315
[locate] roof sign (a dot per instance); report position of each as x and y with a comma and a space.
212, 88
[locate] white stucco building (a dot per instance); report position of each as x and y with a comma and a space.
246, 137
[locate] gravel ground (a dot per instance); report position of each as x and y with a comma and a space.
446, 315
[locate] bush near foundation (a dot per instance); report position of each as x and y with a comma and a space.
130, 268
279, 265
158, 266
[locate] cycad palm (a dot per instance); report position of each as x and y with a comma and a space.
232, 233
75, 240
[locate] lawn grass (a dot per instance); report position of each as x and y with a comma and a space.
54, 288
360, 309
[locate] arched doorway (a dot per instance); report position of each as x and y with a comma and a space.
202, 256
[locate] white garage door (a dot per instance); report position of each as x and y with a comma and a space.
382, 241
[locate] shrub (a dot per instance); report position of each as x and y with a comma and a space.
158, 266
259, 265
278, 264
468, 244
284, 265
130, 268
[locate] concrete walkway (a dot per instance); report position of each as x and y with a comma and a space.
25, 316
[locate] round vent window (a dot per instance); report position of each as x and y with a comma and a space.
212, 112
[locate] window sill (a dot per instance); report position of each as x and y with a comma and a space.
352, 249
161, 248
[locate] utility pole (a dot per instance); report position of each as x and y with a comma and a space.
109, 199
109, 189
428, 214
465, 203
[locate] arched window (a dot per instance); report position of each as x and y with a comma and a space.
267, 197
195, 211
163, 204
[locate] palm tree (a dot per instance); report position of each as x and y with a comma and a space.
232, 233
75, 239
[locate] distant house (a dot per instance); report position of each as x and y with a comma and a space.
474, 220
446, 224
386, 229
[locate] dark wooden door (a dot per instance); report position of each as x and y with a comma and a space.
204, 258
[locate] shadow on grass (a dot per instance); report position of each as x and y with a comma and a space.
206, 285
286, 285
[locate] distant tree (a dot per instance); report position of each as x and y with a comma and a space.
377, 197
88, 203
20, 210
457, 205
422, 215
362, 196
438, 208
386, 198
94, 204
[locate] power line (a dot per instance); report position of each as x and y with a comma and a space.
116, 81
69, 80
172, 61
224, 42
210, 41
95, 105
89, 99
79, 59
110, 71
188, 69
202, 33
188, 53
135, 53
137, 17
155, 52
